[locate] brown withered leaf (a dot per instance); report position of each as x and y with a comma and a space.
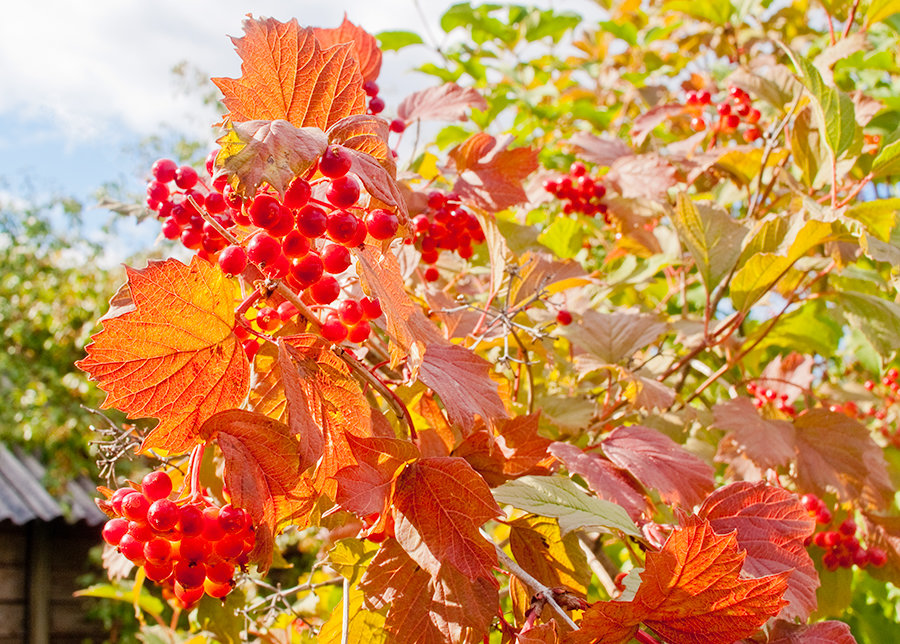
447, 102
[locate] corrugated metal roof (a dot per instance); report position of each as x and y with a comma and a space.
24, 498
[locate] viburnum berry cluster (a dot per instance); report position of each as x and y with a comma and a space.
888, 391
445, 225
763, 396
729, 114
189, 546
842, 548
298, 238
579, 191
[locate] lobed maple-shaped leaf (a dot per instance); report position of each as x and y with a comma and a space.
459, 376
270, 151
613, 337
365, 488
439, 504
174, 356
767, 443
827, 632
262, 472
365, 46
691, 592
447, 102
490, 174
836, 452
515, 450
425, 608
286, 74
628, 176
660, 463
605, 479
600, 150
772, 526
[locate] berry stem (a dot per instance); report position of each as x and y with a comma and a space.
194, 472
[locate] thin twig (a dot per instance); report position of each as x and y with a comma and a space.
345, 612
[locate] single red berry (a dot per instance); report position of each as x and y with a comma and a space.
360, 332
869, 385
753, 116
382, 224
698, 124
132, 549
265, 211
277, 268
376, 105
824, 516
743, 109
156, 485
232, 519
820, 540
164, 170
171, 229
732, 121
263, 249
847, 527
157, 191
335, 258
563, 317
190, 520
333, 329
343, 192
724, 109
158, 572
267, 319
751, 134
831, 561
326, 290
436, 199
158, 550
432, 274
877, 557
861, 558
135, 506
350, 312
704, 97
194, 549
250, 347
311, 221
186, 177
214, 203
371, 308
307, 270
114, 530
370, 88
342, 226
219, 591
192, 238
298, 193
221, 572
162, 515
187, 596
295, 244
233, 260
398, 126
286, 311
335, 162
190, 575
285, 223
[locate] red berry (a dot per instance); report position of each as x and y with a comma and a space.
189, 574
861, 558
135, 506
220, 573
398, 126
333, 329
263, 249
157, 191
286, 311
191, 238
724, 109
158, 572
132, 549
704, 97
194, 549
698, 124
809, 501
307, 270
370, 88
117, 497
285, 223
158, 550
350, 312
831, 538
311, 221
326, 290
267, 319
114, 530
376, 105
847, 527
432, 274
214, 203
563, 317
295, 244
277, 268
190, 520
343, 192
251, 347
298, 193
732, 121
342, 226
156, 485
164, 170
753, 116
824, 516
162, 515
188, 596
336, 258
232, 519
382, 224
265, 211
869, 385
171, 229
233, 260
877, 557
831, 562
751, 134
335, 162
360, 332
371, 308
186, 177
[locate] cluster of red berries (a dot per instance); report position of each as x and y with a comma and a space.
763, 396
579, 192
193, 547
888, 389
445, 225
728, 116
842, 547
376, 103
298, 238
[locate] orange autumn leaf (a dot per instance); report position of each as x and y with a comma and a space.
364, 44
263, 473
491, 176
691, 592
173, 356
287, 74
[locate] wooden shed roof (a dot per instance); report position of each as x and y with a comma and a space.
24, 498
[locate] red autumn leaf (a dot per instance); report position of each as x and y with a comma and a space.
448, 102
836, 452
540, 634
271, 151
286, 74
884, 532
614, 337
329, 398
439, 505
365, 47
490, 175
691, 592
599, 150
605, 479
767, 443
262, 472
424, 608
628, 176
365, 133
660, 463
647, 122
771, 526
365, 488
174, 356
456, 374
827, 632
517, 449
298, 406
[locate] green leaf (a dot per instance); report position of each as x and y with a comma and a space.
549, 24
808, 330
887, 162
222, 618
862, 350
715, 11
349, 557
878, 319
147, 602
756, 277
563, 237
835, 592
878, 216
711, 236
560, 497
396, 40
810, 153
834, 109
